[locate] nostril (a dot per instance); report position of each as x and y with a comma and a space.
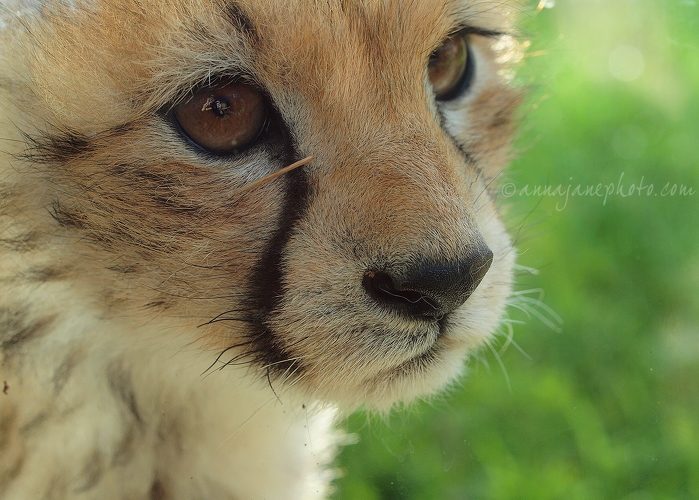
432, 289
381, 287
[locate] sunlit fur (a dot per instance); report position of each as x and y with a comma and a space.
163, 338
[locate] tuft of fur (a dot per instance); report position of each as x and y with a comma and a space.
161, 338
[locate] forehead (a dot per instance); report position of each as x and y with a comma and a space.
400, 22
301, 42
380, 28
383, 13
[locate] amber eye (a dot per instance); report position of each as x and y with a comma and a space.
450, 68
223, 119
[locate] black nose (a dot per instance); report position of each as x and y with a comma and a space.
431, 290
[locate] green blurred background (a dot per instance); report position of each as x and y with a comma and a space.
606, 403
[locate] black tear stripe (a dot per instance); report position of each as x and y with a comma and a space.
267, 279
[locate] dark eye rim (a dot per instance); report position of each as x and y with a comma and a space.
468, 76
271, 116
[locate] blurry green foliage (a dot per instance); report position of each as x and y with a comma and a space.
607, 407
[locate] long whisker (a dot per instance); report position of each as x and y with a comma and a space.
502, 366
273, 175
218, 358
222, 317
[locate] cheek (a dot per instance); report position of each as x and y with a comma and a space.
185, 241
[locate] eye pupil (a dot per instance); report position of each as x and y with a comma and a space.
220, 107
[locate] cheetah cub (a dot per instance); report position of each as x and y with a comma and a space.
222, 222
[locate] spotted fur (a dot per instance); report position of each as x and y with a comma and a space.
162, 338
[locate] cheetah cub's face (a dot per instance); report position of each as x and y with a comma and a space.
364, 275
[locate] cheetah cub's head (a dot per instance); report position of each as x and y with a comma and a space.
364, 275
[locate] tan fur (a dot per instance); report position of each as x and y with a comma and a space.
128, 269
